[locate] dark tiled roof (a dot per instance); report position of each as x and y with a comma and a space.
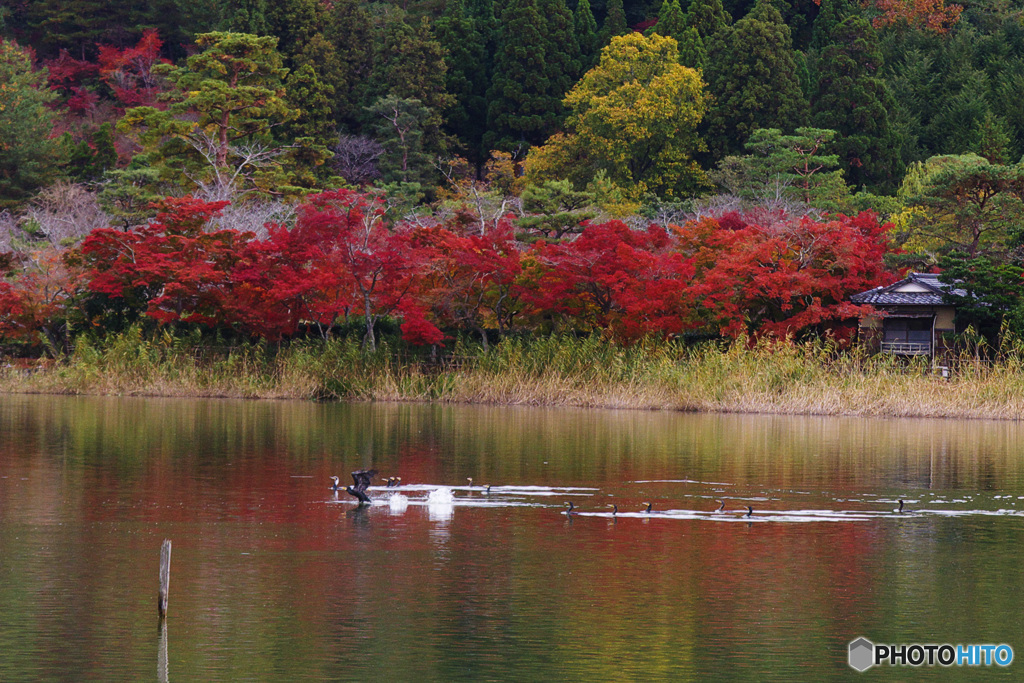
885, 296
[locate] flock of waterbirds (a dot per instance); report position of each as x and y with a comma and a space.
363, 484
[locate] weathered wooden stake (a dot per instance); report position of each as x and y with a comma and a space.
161, 661
165, 578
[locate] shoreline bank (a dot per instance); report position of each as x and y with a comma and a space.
784, 379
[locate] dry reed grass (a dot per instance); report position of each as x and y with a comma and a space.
811, 379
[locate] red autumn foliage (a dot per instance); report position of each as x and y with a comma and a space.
12, 311
374, 266
129, 71
611, 277
785, 279
70, 77
278, 285
471, 278
176, 268
737, 275
36, 297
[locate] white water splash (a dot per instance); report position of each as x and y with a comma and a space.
441, 496
440, 505
398, 503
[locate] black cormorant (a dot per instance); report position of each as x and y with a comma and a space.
570, 509
615, 509
648, 510
362, 480
470, 480
721, 505
750, 511
335, 486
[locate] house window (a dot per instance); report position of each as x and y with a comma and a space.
910, 336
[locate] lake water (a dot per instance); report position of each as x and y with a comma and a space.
276, 578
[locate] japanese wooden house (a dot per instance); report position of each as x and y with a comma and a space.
914, 320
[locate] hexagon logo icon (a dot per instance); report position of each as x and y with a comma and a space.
862, 654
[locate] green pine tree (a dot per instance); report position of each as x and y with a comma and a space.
671, 21
467, 78
28, 156
585, 28
408, 64
521, 105
831, 14
708, 17
226, 102
294, 22
348, 29
614, 22
398, 126
691, 49
312, 130
87, 161
751, 73
852, 99
993, 140
561, 49
321, 55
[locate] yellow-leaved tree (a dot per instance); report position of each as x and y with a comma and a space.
633, 116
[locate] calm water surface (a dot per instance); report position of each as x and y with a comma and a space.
276, 578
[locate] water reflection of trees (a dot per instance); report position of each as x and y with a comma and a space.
276, 579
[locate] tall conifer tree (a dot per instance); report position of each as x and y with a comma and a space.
408, 64
349, 31
467, 78
247, 16
691, 49
831, 14
562, 49
586, 34
28, 155
751, 72
852, 99
671, 21
521, 107
614, 22
708, 17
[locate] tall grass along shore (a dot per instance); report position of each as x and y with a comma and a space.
786, 378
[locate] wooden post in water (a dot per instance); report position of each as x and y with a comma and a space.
161, 657
165, 578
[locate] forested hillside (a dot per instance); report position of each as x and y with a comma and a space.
737, 168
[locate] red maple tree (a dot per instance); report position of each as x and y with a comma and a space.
785, 278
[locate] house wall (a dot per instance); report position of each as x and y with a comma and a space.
944, 327
869, 330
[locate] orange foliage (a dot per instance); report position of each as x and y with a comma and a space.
932, 15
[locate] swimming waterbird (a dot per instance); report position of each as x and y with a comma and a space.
721, 505
615, 509
648, 510
336, 486
570, 508
750, 511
